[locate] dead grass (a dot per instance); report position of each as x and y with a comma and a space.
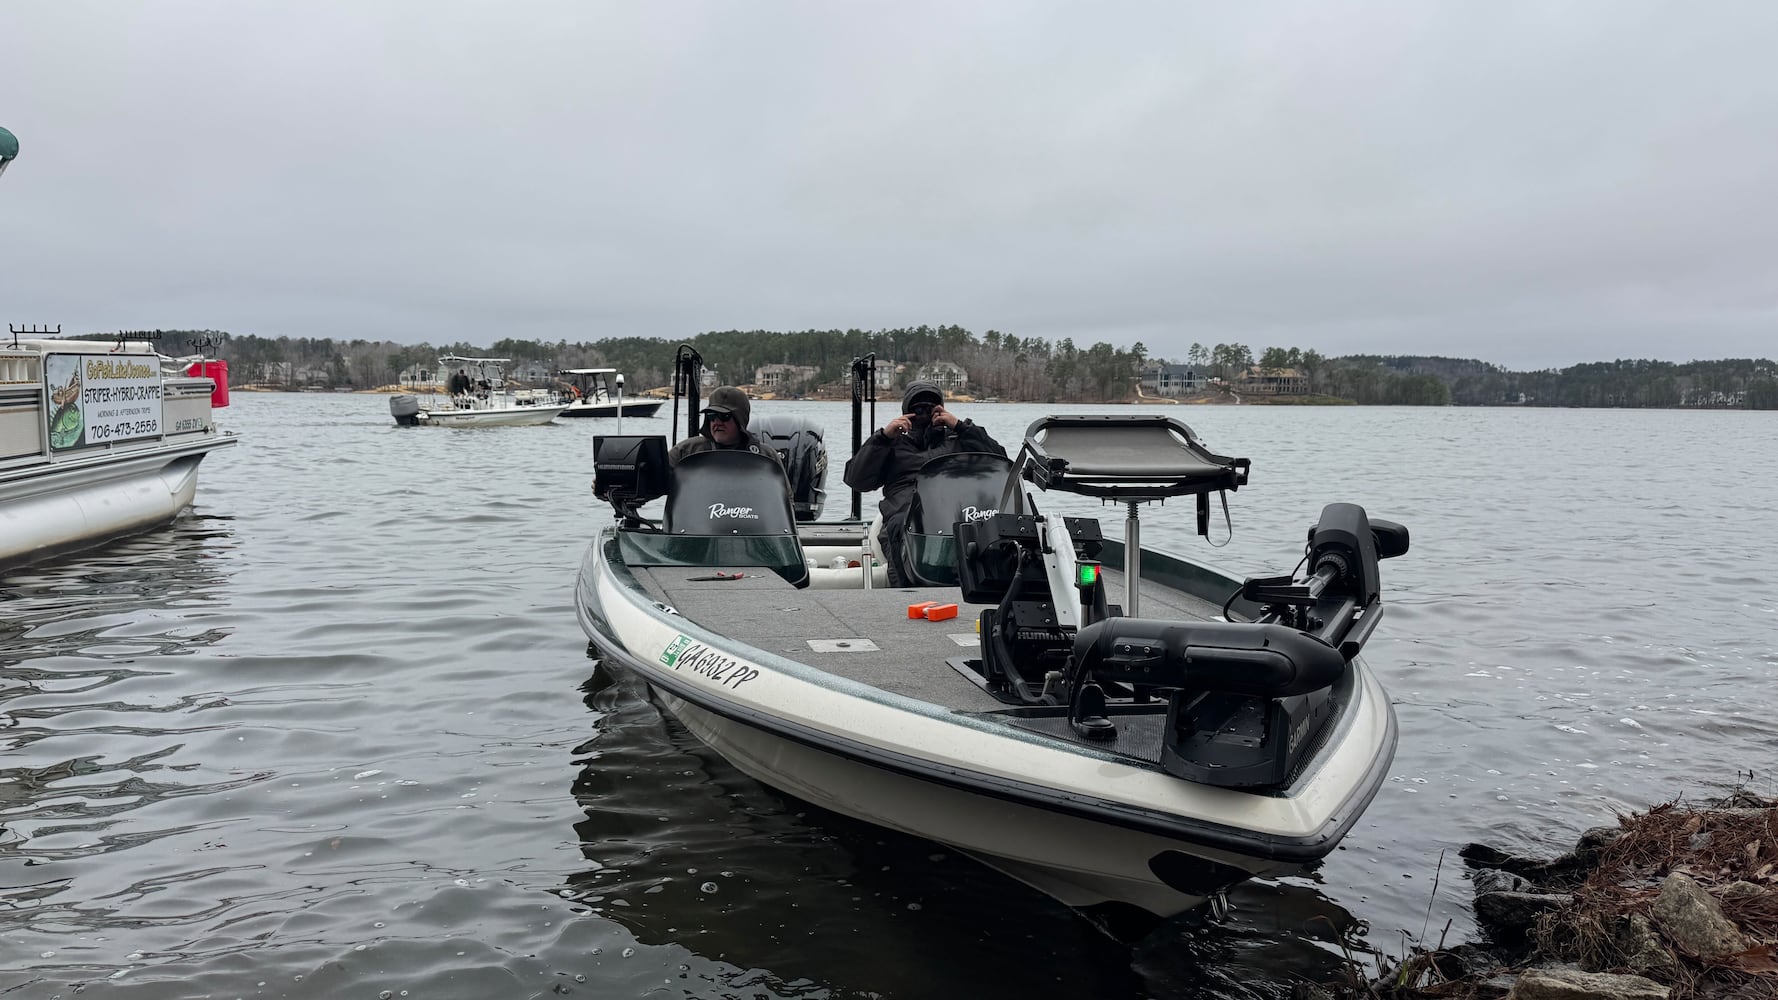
1718, 843
1735, 840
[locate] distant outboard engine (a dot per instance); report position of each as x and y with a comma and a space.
406, 410
798, 440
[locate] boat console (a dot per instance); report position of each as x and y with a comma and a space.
1244, 702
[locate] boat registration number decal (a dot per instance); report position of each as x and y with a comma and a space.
695, 657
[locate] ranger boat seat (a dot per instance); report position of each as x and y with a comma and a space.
728, 492
724, 509
961, 487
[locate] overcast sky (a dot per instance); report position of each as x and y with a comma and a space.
1532, 184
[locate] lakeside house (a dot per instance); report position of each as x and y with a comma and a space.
531, 371
1273, 381
1162, 378
948, 375
883, 373
783, 378
270, 373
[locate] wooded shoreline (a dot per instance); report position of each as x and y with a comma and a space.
1030, 369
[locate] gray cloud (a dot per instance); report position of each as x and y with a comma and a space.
1530, 184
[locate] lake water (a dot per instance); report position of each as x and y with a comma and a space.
335, 734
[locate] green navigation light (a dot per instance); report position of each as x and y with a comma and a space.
1088, 574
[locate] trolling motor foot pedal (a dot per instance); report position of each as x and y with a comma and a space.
1088, 717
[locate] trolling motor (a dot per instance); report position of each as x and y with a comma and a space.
1340, 600
1246, 698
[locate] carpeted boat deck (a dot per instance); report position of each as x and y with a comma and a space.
863, 635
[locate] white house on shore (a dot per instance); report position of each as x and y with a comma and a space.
883, 372
1162, 378
949, 375
783, 378
1274, 381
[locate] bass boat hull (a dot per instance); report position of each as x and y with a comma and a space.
1087, 826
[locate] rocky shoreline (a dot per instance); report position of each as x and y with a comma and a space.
1675, 903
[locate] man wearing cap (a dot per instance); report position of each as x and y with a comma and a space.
890, 457
725, 427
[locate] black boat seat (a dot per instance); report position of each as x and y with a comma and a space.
724, 508
1124, 458
959, 487
728, 493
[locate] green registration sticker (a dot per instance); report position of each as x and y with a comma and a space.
674, 648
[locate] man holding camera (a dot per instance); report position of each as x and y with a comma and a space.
890, 457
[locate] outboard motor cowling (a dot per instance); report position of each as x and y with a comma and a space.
799, 441
405, 409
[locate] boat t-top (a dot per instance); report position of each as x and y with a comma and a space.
477, 394
599, 392
1124, 728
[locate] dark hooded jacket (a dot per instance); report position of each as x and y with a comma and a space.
890, 462
727, 399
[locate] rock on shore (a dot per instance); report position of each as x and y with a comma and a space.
1676, 903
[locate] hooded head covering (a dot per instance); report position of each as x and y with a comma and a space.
728, 399
921, 392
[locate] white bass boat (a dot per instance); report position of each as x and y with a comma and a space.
1126, 729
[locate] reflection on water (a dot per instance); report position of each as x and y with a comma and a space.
332, 734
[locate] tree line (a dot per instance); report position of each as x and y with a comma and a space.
1028, 368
